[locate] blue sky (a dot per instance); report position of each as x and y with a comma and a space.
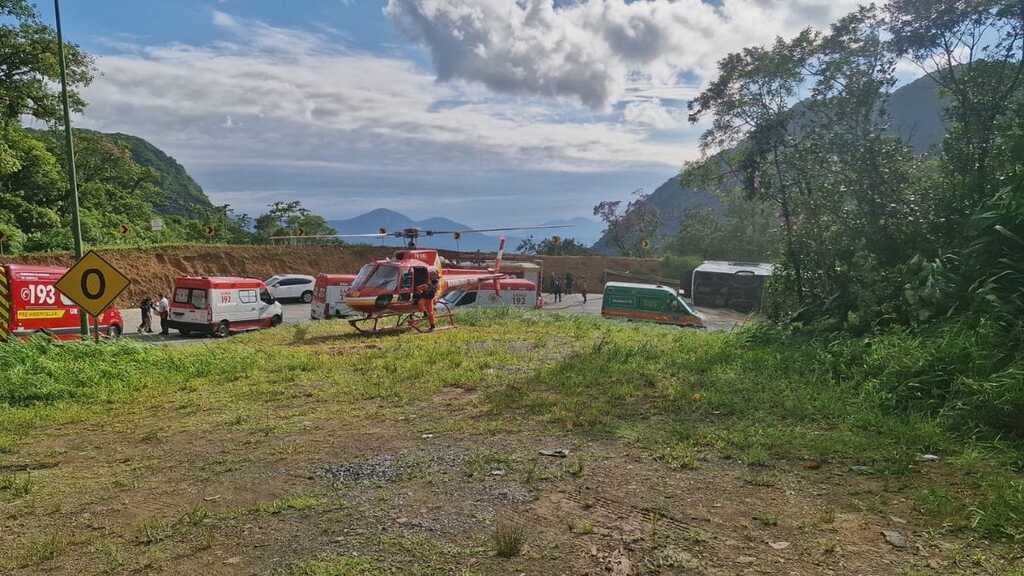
491, 112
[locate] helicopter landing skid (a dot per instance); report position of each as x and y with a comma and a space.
395, 323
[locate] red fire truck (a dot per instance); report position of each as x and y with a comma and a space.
30, 304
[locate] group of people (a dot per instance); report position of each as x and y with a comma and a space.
161, 307
558, 287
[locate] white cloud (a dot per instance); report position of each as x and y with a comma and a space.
271, 109
588, 49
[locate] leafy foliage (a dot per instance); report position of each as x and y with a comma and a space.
631, 230
290, 219
871, 235
30, 68
553, 246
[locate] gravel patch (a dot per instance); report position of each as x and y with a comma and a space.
377, 468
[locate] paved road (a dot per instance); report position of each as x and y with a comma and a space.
715, 319
292, 313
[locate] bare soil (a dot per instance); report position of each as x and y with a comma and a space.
176, 486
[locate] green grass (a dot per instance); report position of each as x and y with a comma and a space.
338, 566
40, 551
758, 396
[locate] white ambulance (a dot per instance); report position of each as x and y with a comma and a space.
221, 305
515, 293
329, 296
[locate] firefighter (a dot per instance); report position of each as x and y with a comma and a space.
425, 294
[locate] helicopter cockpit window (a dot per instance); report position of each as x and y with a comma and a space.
364, 273
385, 277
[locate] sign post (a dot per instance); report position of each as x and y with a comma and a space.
69, 150
93, 284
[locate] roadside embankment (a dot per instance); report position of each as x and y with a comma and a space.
152, 270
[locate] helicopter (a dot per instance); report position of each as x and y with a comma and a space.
386, 293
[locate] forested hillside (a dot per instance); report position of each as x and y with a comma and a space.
182, 196
915, 113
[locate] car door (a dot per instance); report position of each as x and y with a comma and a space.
248, 305
266, 304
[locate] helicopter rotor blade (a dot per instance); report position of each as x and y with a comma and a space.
477, 230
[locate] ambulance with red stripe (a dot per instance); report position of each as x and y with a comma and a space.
514, 293
221, 305
329, 296
31, 304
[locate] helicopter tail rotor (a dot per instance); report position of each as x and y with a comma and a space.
501, 254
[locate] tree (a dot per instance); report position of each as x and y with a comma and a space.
751, 104
975, 52
31, 182
631, 231
847, 193
288, 218
29, 67
553, 246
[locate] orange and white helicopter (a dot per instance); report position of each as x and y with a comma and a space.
388, 292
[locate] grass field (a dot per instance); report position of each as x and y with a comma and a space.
309, 450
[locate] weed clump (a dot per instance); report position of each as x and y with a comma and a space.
509, 539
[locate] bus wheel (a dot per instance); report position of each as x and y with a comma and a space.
222, 329
185, 331
276, 320
307, 297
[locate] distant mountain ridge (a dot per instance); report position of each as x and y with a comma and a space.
915, 115
392, 221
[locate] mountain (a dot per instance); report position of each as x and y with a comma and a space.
584, 230
392, 221
182, 195
915, 115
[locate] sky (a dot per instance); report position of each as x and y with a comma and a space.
490, 112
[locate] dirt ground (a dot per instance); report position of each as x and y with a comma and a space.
191, 483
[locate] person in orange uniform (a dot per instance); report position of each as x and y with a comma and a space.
425, 300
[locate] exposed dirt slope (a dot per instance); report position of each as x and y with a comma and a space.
152, 270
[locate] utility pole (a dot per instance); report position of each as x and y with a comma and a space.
69, 147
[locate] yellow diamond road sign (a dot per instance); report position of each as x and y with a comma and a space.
92, 283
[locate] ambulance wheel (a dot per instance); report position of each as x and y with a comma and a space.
276, 320
114, 332
307, 297
222, 330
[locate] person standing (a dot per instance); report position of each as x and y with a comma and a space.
582, 286
425, 294
556, 287
146, 308
568, 283
163, 308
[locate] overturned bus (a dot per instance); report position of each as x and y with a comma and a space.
736, 285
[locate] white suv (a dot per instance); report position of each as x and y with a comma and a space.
291, 287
